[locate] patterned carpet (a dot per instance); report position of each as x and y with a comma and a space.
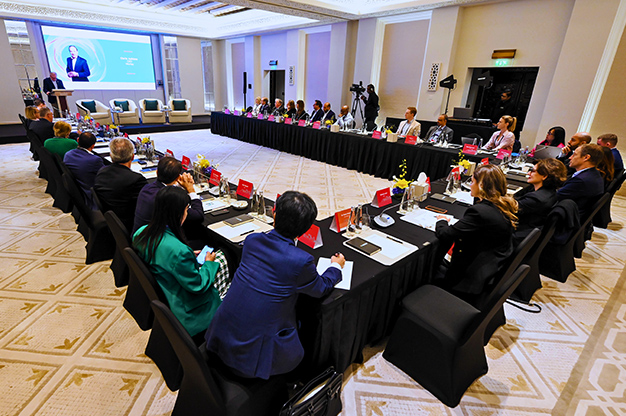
67, 347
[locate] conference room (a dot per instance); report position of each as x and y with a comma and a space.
177, 85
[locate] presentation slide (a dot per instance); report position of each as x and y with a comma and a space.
96, 60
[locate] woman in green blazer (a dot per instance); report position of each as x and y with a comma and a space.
187, 285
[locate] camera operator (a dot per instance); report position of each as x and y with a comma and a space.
371, 108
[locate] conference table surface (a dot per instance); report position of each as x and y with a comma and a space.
349, 150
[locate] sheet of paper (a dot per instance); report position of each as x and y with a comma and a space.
464, 197
213, 204
324, 262
426, 219
232, 232
389, 247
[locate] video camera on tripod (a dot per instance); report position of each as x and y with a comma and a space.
357, 88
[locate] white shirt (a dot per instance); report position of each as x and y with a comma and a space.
345, 120
74, 63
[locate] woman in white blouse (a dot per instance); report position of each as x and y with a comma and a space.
504, 137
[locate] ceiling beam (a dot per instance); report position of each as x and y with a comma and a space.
292, 8
163, 4
185, 4
207, 7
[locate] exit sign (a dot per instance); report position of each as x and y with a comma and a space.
503, 62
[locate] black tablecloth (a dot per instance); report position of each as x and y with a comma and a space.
349, 150
335, 329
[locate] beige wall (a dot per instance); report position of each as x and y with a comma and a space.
404, 46
12, 103
190, 67
536, 28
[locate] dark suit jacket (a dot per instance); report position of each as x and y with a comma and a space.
302, 116
43, 128
264, 108
329, 116
49, 86
279, 111
534, 207
482, 243
446, 130
145, 207
584, 189
118, 187
619, 163
316, 115
371, 107
81, 67
254, 330
84, 166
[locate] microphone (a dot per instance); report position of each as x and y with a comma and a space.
385, 220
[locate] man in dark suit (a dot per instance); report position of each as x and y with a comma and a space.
265, 107
44, 127
440, 130
504, 107
578, 139
279, 109
371, 108
77, 67
84, 165
170, 173
52, 83
317, 113
610, 140
328, 114
586, 185
116, 185
255, 331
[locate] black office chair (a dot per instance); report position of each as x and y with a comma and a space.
586, 229
556, 260
438, 339
61, 198
35, 146
532, 282
100, 244
207, 388
603, 217
122, 240
158, 348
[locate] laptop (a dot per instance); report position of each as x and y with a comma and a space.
547, 152
462, 112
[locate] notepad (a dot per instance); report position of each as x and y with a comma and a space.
426, 219
389, 248
213, 204
234, 232
323, 263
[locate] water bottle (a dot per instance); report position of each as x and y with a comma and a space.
480, 143
260, 204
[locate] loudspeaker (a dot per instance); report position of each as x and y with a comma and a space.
245, 82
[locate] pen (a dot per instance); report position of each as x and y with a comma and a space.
393, 239
247, 232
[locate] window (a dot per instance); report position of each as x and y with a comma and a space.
207, 71
172, 74
22, 53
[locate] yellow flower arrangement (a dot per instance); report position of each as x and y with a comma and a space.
328, 122
145, 140
112, 126
400, 183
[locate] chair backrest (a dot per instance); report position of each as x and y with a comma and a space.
549, 227
469, 140
502, 292
616, 184
514, 260
78, 198
97, 200
594, 210
143, 275
118, 229
194, 366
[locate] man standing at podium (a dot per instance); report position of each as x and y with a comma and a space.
52, 83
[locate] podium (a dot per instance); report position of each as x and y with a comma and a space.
61, 101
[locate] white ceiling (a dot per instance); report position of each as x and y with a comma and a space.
200, 18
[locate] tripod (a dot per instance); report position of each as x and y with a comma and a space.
357, 105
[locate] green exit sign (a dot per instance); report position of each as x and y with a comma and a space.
503, 62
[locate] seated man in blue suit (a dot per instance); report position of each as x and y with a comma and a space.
77, 67
170, 173
255, 332
84, 165
610, 140
586, 185
317, 113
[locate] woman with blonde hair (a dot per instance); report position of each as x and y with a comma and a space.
482, 238
31, 112
61, 143
504, 137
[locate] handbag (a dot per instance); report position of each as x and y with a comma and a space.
320, 397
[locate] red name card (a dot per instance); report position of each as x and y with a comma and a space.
317, 125
502, 153
244, 188
312, 238
169, 153
376, 134
249, 115
186, 161
301, 123
410, 140
227, 111
470, 149
484, 161
236, 113
215, 177
288, 120
259, 117
340, 220
382, 198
